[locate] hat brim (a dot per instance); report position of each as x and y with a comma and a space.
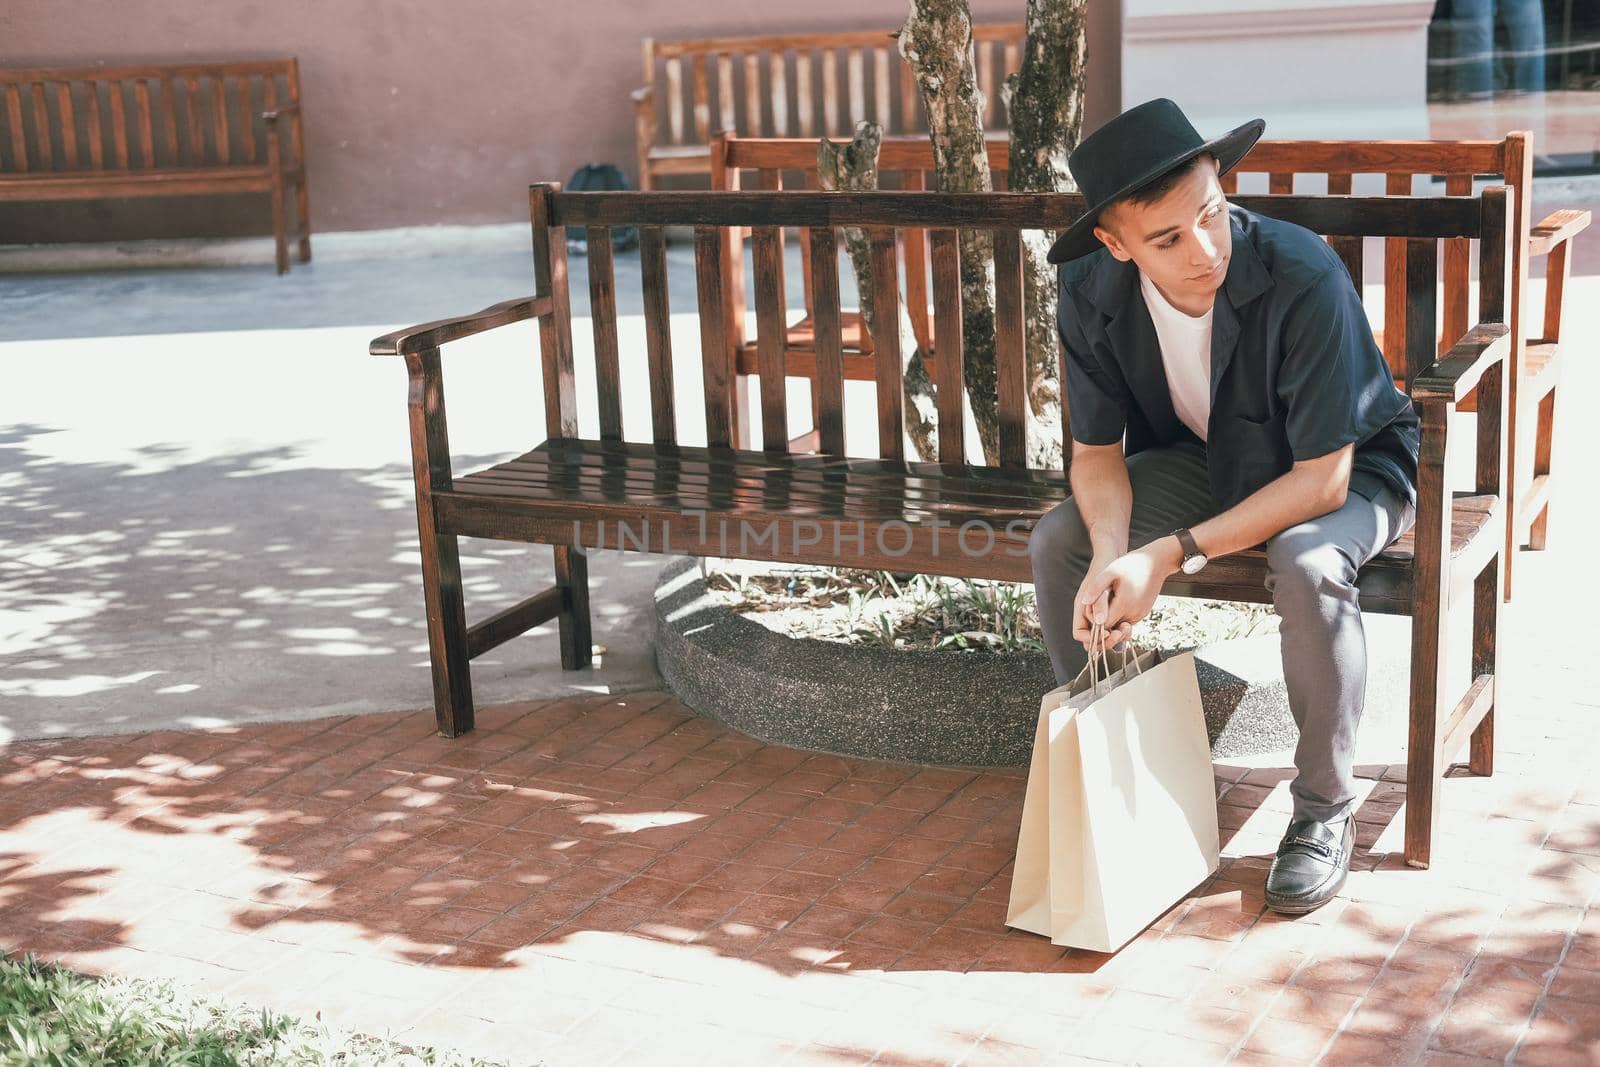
1079, 240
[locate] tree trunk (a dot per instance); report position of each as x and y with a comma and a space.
1045, 102
853, 167
936, 42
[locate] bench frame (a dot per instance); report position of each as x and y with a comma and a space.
177, 129
1451, 558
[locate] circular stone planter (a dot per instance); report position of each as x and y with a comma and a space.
949, 708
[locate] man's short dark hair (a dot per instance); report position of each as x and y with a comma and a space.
1158, 187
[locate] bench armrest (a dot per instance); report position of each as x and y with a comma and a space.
1455, 374
1556, 227
271, 117
415, 339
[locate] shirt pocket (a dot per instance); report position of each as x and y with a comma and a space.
1255, 451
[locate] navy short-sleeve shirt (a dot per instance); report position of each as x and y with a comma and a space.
1295, 372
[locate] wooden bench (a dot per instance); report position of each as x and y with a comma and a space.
884, 512
185, 129
805, 84
907, 163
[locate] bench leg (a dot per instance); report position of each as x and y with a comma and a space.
447, 633
572, 575
302, 203
1422, 744
1544, 431
280, 224
1485, 635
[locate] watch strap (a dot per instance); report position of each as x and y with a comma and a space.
1186, 540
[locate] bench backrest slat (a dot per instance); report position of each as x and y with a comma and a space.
658, 334
948, 358
603, 315
947, 220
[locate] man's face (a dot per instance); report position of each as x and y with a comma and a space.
1182, 242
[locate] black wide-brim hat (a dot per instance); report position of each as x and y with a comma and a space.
1133, 150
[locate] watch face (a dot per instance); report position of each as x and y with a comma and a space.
1193, 564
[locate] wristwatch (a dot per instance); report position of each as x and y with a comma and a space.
1193, 558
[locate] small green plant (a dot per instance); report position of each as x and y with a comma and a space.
910, 611
51, 1017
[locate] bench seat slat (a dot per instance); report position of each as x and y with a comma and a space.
569, 480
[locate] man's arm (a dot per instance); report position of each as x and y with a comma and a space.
1127, 586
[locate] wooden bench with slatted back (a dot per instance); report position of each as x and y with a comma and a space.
1535, 357
743, 85
1535, 361
649, 487
184, 129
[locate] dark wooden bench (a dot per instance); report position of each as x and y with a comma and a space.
574, 492
1535, 358
806, 84
183, 129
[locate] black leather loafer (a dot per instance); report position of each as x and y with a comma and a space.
1311, 866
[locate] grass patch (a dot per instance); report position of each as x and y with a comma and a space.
50, 1017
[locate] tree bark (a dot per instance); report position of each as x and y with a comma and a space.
853, 167
1045, 103
936, 42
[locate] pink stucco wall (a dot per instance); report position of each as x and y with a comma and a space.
425, 113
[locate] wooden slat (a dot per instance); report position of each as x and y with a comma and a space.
910, 98
1279, 183
513, 621
829, 384
196, 133
1556, 273
779, 84
726, 98
917, 271
19, 139
886, 342
69, 128
127, 71
947, 319
246, 119
701, 88
1229, 182
146, 129
1394, 286
830, 38
658, 333
169, 120
1457, 272
1009, 339
1349, 249
771, 327
1375, 157
830, 91
92, 126
1419, 297
805, 111
716, 367
555, 328
858, 87
675, 100
219, 118
752, 93
603, 315
44, 144
880, 87
119, 125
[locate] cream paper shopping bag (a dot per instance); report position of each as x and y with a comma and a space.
1120, 818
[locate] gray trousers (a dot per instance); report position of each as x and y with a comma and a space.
1311, 572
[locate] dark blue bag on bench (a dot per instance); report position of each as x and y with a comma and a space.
595, 178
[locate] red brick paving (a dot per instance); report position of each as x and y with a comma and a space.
614, 880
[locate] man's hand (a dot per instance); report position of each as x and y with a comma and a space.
1120, 594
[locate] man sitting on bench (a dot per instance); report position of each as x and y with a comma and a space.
1224, 390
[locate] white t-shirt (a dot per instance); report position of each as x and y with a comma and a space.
1186, 354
